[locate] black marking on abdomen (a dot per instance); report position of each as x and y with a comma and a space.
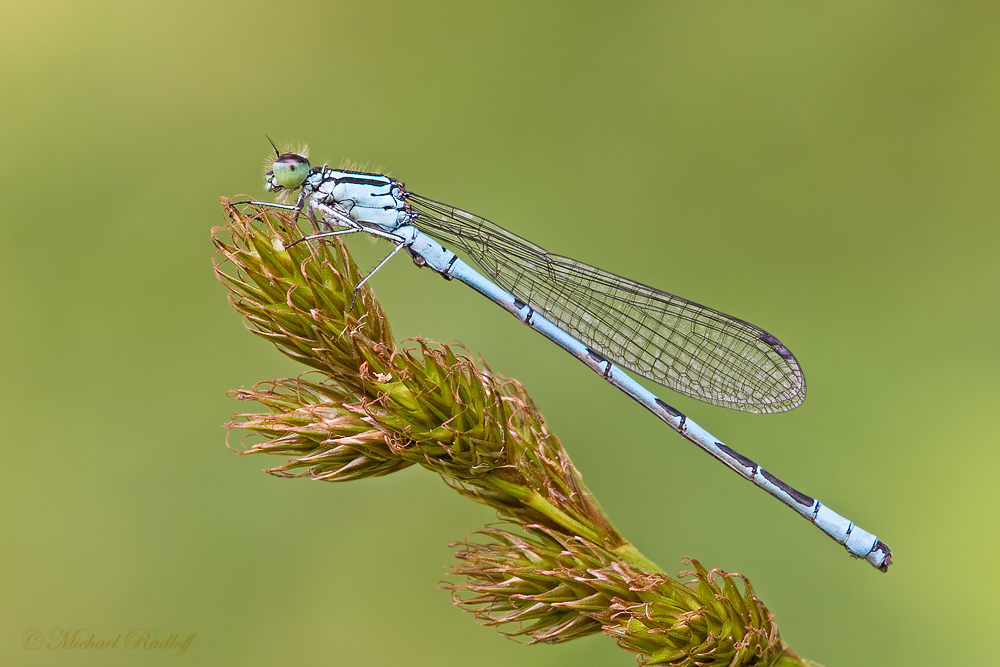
673, 412
531, 311
882, 547
796, 495
601, 360
744, 461
670, 409
446, 274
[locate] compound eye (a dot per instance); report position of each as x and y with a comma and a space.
290, 170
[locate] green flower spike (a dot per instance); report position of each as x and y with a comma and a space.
368, 408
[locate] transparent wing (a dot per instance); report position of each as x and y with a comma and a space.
694, 350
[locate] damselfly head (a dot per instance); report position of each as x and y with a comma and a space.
290, 170
286, 169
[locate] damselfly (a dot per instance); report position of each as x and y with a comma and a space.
606, 321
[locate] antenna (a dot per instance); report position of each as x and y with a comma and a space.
273, 146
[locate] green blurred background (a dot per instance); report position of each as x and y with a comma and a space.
827, 172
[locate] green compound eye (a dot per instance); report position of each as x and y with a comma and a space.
290, 170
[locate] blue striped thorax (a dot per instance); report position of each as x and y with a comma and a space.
370, 199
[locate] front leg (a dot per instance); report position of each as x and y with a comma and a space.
332, 216
299, 203
318, 225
